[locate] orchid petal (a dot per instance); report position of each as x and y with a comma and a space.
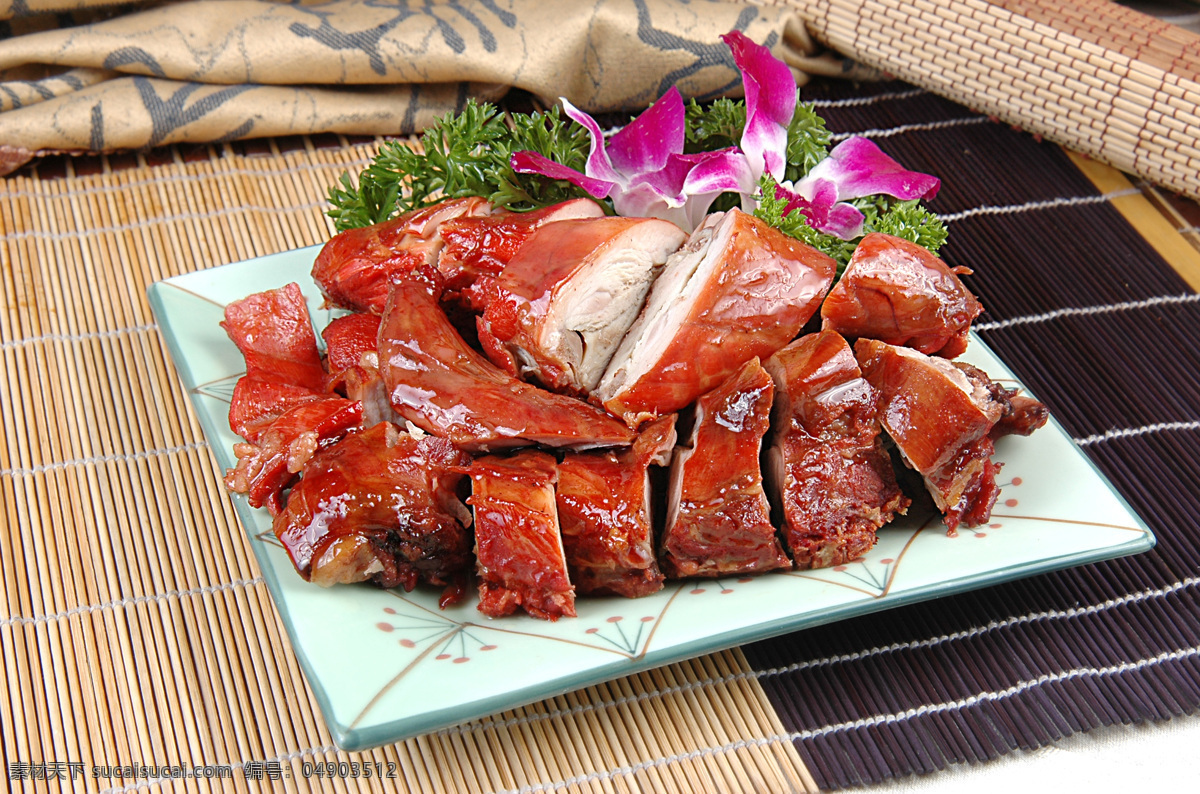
770, 103
817, 201
527, 162
860, 168
646, 142
598, 163
646, 200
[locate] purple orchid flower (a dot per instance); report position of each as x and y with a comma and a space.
770, 89
643, 170
856, 167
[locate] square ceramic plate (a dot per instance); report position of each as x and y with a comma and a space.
386, 665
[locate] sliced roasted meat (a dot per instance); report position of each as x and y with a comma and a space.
352, 357
563, 303
258, 403
604, 512
941, 420
831, 475
1020, 414
439, 383
718, 518
739, 288
379, 506
268, 466
356, 267
348, 338
274, 332
900, 293
481, 245
518, 549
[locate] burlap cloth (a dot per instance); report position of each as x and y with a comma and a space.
142, 75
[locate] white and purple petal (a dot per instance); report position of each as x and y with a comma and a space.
816, 199
860, 168
770, 89
527, 162
646, 142
599, 165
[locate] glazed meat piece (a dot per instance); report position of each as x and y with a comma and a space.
518, 549
941, 420
481, 245
604, 513
1020, 415
266, 467
829, 470
442, 385
256, 404
348, 338
566, 299
900, 293
352, 357
739, 288
355, 268
379, 506
718, 519
274, 332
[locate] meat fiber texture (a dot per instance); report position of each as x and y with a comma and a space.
738, 289
565, 300
718, 517
827, 467
442, 385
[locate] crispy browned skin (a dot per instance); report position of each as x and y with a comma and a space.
900, 293
604, 512
718, 519
832, 476
562, 304
753, 291
355, 268
439, 383
518, 550
942, 422
379, 505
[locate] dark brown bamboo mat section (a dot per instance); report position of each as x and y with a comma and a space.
136, 630
1100, 327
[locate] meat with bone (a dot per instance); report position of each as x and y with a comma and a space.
738, 289
442, 385
942, 420
718, 518
827, 464
280, 406
352, 357
604, 512
356, 267
380, 506
563, 303
481, 245
518, 549
900, 293
267, 466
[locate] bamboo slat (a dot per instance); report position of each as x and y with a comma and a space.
1093, 75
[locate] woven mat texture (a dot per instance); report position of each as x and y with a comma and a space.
136, 627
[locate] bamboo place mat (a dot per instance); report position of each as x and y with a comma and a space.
137, 630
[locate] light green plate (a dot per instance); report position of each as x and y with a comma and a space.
386, 665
